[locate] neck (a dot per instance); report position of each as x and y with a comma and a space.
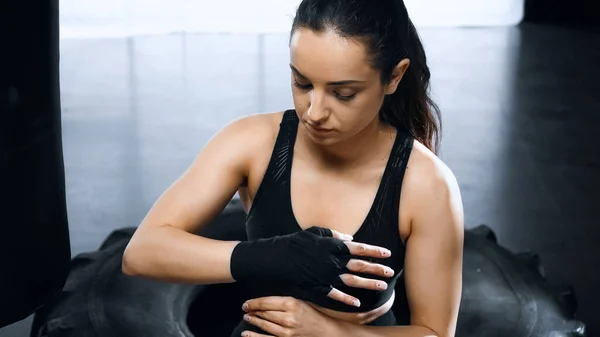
355, 149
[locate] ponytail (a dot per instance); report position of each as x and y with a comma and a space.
410, 108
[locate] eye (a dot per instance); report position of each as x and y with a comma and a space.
337, 95
302, 86
345, 98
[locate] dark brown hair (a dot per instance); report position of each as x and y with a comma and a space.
390, 36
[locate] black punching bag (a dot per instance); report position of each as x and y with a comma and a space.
34, 237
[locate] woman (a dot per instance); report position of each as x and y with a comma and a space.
356, 156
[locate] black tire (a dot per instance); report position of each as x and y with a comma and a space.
98, 300
502, 296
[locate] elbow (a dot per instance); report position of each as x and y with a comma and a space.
433, 333
429, 332
129, 262
133, 260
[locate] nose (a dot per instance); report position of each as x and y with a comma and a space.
317, 111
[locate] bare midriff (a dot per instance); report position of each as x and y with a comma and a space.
360, 317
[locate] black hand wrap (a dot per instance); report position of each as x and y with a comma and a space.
309, 260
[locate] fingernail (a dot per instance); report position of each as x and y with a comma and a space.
245, 307
356, 303
385, 253
245, 334
381, 285
246, 318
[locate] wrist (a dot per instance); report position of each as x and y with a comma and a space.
229, 267
239, 266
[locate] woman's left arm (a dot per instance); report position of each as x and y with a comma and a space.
433, 271
433, 262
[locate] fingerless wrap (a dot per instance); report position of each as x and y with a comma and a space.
311, 260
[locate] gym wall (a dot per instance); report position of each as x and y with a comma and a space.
98, 18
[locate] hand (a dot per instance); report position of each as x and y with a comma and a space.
361, 266
286, 317
312, 260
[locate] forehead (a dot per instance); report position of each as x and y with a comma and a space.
327, 56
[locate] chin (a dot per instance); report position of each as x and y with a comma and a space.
323, 142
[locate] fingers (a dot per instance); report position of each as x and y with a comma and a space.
341, 236
364, 283
343, 297
365, 267
361, 249
271, 303
264, 325
254, 334
283, 319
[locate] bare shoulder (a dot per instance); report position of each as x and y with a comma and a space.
257, 133
254, 128
431, 189
251, 135
428, 174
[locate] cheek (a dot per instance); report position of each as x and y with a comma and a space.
301, 101
363, 111
357, 119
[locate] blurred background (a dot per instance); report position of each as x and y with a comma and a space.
118, 18
145, 84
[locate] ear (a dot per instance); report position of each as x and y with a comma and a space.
397, 75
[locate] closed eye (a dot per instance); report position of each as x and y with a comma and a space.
302, 86
337, 94
345, 98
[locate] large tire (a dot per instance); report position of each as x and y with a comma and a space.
35, 248
98, 300
502, 296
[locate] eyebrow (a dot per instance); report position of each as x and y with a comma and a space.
335, 83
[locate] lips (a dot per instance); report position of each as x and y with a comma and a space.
319, 129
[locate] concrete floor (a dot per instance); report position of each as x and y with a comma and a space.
520, 108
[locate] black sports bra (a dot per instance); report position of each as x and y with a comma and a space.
272, 215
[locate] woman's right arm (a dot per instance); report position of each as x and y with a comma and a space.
165, 246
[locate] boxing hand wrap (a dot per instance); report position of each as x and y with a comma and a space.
310, 260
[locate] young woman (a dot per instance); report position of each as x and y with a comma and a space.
357, 155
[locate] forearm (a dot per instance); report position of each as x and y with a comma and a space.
346, 329
172, 255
